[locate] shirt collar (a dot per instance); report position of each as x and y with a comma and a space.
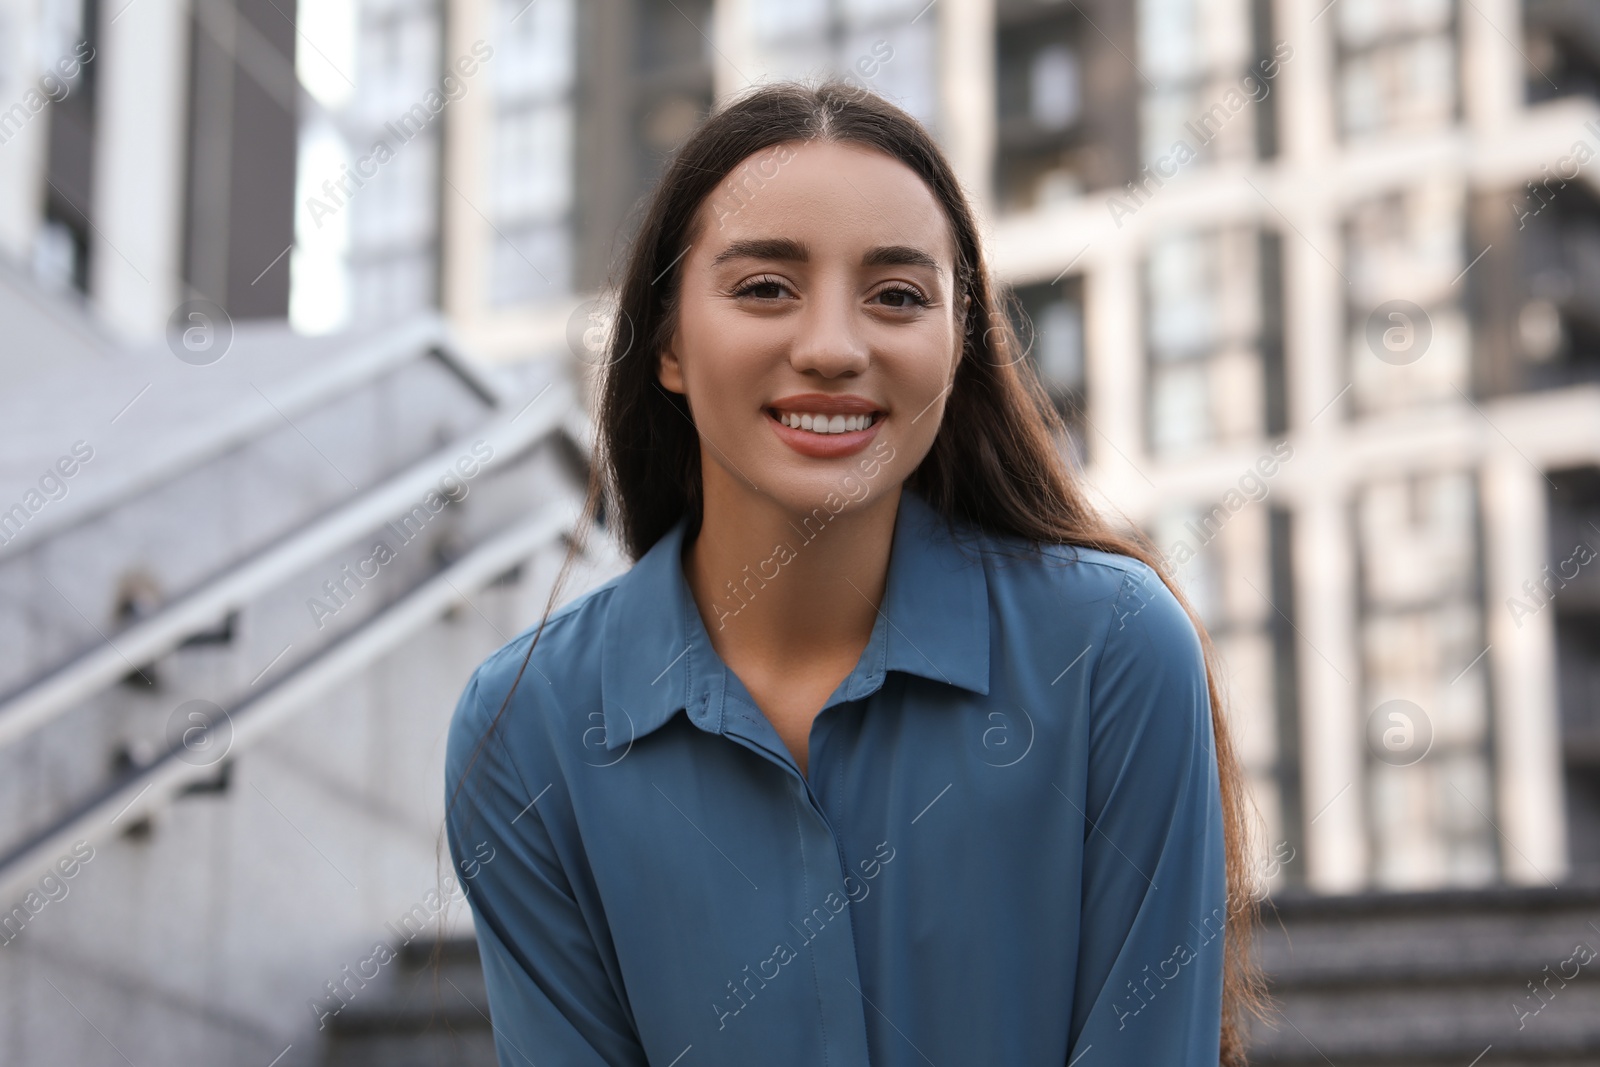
657, 657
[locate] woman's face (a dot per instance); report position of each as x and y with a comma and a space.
818, 291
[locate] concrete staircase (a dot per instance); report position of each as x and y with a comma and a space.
425, 1014
1490, 978
238, 603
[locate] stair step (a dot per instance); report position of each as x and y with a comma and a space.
1360, 1024
409, 1050
1407, 979
421, 1015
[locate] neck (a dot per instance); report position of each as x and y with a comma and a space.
774, 585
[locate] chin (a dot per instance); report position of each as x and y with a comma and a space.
848, 485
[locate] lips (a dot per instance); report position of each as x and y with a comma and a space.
823, 425
826, 404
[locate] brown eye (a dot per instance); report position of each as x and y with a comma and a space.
762, 289
899, 297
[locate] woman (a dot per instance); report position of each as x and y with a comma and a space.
950, 783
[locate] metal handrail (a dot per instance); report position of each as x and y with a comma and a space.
127, 800
43, 700
363, 361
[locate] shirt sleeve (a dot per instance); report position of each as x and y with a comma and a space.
1149, 970
552, 1000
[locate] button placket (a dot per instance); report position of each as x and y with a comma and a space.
832, 939
836, 965
747, 725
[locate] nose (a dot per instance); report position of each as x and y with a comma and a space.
829, 340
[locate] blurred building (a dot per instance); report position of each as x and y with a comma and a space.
1337, 367
147, 153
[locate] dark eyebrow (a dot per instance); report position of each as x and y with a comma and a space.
900, 256
764, 248
784, 248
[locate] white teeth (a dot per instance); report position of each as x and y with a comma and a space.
827, 424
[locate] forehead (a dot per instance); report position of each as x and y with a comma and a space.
832, 197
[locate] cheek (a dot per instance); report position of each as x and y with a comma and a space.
922, 374
723, 358
930, 358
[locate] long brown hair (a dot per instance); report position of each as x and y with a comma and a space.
994, 463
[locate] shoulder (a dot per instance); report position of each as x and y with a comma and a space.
538, 676
1149, 663
565, 648
1146, 612
1073, 577
1119, 603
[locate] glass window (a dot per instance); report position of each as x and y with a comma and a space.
532, 172
1213, 354
889, 47
1424, 681
1559, 57
672, 84
534, 55
1408, 338
532, 162
1049, 327
1054, 97
869, 12
1046, 144
367, 228
1396, 65
1203, 83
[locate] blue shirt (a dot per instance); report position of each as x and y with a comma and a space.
1008, 848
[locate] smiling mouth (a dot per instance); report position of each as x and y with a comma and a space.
824, 425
